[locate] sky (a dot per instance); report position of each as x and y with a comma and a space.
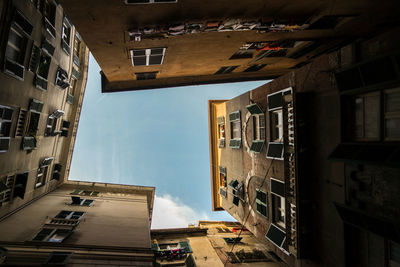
155, 138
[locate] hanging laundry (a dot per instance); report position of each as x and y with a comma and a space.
149, 31
212, 26
267, 47
193, 28
229, 25
177, 29
246, 26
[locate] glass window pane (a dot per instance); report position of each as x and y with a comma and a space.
371, 113
139, 52
139, 61
359, 118
392, 101
155, 60
392, 128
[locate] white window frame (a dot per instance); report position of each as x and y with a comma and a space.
147, 55
282, 208
278, 125
3, 120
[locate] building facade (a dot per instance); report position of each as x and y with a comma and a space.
156, 44
81, 224
308, 161
211, 243
44, 72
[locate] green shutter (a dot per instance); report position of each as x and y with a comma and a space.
36, 105
186, 246
76, 192
35, 57
257, 146
190, 261
254, 109
47, 47
234, 116
235, 143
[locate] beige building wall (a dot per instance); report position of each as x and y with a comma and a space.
115, 226
17, 94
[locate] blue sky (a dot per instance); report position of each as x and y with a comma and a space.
153, 138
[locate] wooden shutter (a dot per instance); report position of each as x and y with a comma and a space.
276, 235
254, 109
47, 47
35, 57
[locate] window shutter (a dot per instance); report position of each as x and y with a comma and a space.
221, 120
234, 116
257, 146
65, 47
58, 258
76, 60
40, 82
223, 192
254, 109
274, 101
275, 150
64, 133
221, 143
57, 114
49, 28
57, 167
235, 143
35, 57
14, 69
56, 176
70, 99
186, 246
189, 262
28, 143
278, 188
276, 235
23, 23
47, 47
75, 73
36, 105
76, 192
222, 170
46, 161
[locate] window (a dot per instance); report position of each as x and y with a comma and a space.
6, 184
258, 127
72, 215
146, 75
222, 177
6, 114
237, 191
276, 118
221, 131
42, 171
394, 254
41, 176
52, 123
276, 235
85, 192
81, 202
21, 180
42, 72
262, 202
18, 35
236, 130
66, 35
374, 120
48, 9
52, 235
47, 47
71, 91
255, 67
147, 57
35, 107
58, 258
278, 202
245, 51
62, 78
64, 128
77, 48
56, 172
226, 70
75, 73
136, 2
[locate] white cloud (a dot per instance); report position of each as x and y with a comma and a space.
169, 212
